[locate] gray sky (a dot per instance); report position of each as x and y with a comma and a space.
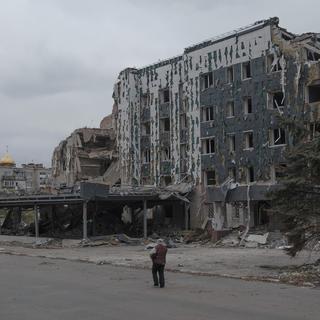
60, 58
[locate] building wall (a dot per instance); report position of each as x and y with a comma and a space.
30, 178
161, 127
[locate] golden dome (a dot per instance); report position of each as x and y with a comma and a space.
7, 160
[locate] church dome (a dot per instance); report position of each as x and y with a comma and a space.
7, 161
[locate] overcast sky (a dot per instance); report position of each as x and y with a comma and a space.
60, 58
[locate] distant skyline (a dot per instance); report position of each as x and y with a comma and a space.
59, 59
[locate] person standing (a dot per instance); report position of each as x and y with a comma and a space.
158, 257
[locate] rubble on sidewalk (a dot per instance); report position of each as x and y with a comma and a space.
111, 240
260, 239
197, 236
255, 239
307, 275
48, 243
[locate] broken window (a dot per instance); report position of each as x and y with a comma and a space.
208, 146
146, 181
165, 154
232, 173
165, 125
247, 105
145, 128
185, 105
246, 70
144, 100
210, 178
183, 151
232, 142
276, 100
312, 56
248, 139
206, 81
230, 74
164, 96
279, 171
273, 63
167, 181
250, 174
314, 129
207, 113
230, 109
314, 93
278, 137
183, 121
146, 157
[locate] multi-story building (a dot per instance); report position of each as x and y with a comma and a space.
27, 179
210, 116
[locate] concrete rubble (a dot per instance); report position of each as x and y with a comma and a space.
87, 154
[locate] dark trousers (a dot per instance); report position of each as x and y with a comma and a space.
158, 268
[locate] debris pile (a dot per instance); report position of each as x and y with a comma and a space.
255, 239
85, 155
305, 275
197, 236
111, 240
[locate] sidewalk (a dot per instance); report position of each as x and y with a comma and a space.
241, 263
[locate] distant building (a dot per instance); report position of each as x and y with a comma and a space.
27, 179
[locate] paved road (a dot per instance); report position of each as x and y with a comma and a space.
38, 288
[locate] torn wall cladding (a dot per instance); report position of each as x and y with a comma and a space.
211, 114
169, 92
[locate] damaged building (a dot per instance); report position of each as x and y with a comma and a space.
210, 117
30, 178
87, 154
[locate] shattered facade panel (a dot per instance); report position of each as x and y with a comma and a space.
211, 115
85, 155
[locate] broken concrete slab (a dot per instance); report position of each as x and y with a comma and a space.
261, 239
251, 244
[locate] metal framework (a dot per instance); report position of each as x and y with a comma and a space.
89, 192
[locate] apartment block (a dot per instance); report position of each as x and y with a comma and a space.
211, 117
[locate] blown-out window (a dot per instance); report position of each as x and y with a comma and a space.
206, 81
208, 146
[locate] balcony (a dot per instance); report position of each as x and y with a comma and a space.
165, 138
145, 114
184, 135
145, 141
207, 161
207, 129
164, 110
183, 166
145, 170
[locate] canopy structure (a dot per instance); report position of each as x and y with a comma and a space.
148, 196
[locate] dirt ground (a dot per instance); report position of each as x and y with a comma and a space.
242, 263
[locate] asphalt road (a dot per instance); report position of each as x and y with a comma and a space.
38, 288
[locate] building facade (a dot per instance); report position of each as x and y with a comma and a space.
28, 179
211, 117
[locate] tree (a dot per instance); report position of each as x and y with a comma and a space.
297, 201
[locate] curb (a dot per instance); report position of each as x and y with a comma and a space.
172, 270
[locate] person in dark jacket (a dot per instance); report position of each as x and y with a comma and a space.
158, 257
